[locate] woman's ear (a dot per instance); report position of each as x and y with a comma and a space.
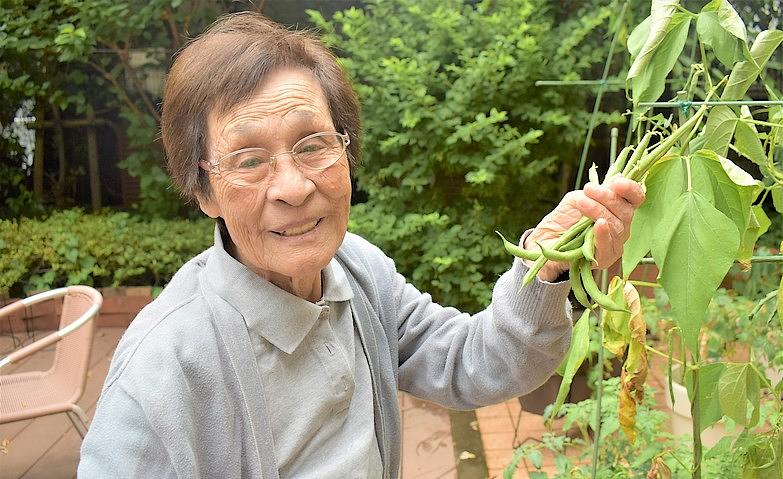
209, 206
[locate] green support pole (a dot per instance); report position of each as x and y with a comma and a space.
598, 97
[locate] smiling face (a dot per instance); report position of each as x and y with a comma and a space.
287, 227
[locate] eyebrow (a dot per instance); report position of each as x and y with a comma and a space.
250, 126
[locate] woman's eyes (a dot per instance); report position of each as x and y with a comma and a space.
250, 162
310, 148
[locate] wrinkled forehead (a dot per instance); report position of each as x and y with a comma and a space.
287, 99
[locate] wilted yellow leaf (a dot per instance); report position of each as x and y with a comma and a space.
659, 470
634, 372
616, 323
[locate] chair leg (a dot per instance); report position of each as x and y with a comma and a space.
79, 419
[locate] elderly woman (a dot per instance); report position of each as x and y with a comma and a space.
278, 352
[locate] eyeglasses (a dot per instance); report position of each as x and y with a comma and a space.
249, 166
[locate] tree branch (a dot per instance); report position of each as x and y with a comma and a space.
111, 79
122, 53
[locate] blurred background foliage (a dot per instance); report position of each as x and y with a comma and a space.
459, 142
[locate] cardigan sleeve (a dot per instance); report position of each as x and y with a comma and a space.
465, 361
121, 442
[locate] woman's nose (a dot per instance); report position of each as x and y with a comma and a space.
289, 183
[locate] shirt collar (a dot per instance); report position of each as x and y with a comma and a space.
277, 315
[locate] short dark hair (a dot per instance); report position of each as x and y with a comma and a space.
223, 67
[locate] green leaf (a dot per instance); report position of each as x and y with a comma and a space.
746, 139
777, 199
733, 189
658, 56
780, 301
738, 385
694, 249
580, 343
616, 323
719, 129
721, 28
656, 28
709, 404
664, 185
536, 459
638, 244
745, 73
758, 224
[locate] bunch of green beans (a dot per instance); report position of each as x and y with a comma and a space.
577, 244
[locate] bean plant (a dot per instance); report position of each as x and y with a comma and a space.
703, 214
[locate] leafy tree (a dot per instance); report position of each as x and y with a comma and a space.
84, 55
458, 140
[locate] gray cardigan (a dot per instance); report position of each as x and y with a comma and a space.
183, 397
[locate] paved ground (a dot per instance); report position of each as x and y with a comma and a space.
49, 447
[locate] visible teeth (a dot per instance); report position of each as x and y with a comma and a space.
301, 230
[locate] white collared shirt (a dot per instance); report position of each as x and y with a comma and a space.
317, 385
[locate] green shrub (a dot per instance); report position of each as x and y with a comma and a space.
112, 249
458, 140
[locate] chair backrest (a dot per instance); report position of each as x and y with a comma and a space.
72, 354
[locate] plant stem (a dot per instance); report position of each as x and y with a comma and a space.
645, 283
655, 351
695, 411
761, 123
688, 171
599, 391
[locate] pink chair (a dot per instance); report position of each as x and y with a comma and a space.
41, 393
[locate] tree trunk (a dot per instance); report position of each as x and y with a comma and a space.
59, 190
38, 158
92, 158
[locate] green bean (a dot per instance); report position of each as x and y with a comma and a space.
569, 234
574, 243
595, 292
518, 251
638, 153
588, 247
663, 147
560, 256
619, 162
534, 269
576, 284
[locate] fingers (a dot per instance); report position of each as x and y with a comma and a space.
617, 205
594, 210
629, 190
608, 246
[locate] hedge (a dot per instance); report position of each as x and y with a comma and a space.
109, 249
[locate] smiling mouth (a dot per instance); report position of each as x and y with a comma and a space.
299, 230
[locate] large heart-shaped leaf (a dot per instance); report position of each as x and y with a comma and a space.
666, 33
738, 385
745, 73
694, 249
654, 29
747, 141
719, 129
721, 28
733, 189
709, 403
665, 183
